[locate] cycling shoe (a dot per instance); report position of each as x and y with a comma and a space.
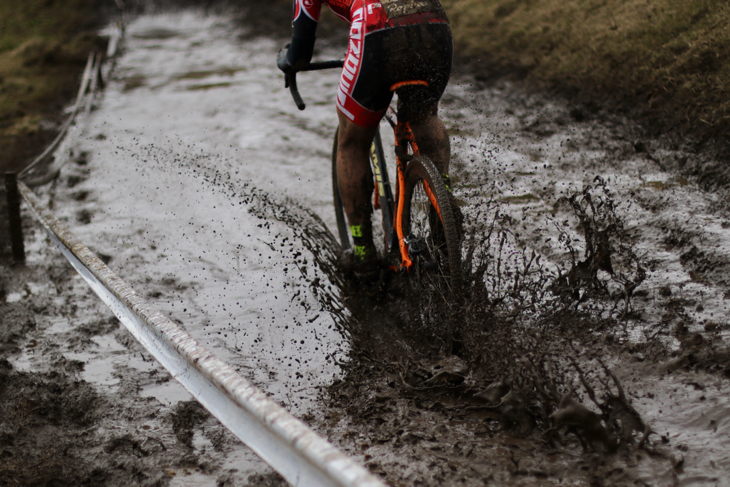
363, 266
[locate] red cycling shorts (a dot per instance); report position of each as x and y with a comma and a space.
385, 51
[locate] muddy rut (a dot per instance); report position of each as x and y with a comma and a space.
592, 349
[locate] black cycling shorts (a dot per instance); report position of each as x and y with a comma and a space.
408, 48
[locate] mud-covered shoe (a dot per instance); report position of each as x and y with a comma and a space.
362, 262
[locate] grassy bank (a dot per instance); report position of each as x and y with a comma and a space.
666, 61
43, 48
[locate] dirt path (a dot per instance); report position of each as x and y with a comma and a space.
204, 188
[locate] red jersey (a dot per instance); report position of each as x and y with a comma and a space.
381, 13
376, 18
312, 8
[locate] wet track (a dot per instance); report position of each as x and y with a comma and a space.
210, 194
183, 177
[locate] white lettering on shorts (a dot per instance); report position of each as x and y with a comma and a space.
341, 100
352, 62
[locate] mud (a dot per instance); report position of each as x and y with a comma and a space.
593, 345
520, 389
561, 281
59, 429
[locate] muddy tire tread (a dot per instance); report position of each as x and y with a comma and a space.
421, 168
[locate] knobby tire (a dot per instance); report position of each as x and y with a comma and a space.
435, 281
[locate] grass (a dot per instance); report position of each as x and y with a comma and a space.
43, 48
665, 59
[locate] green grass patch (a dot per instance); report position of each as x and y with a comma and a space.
668, 59
44, 45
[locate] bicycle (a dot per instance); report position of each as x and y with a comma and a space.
420, 231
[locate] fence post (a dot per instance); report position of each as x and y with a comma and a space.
14, 222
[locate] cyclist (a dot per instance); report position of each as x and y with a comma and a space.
390, 41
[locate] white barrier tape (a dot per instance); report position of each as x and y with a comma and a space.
90, 80
301, 456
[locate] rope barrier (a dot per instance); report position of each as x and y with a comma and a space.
67, 124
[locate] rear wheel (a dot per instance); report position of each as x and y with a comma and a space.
433, 237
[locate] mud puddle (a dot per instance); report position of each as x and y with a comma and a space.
197, 231
204, 188
595, 317
74, 389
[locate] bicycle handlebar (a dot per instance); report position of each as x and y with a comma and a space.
291, 78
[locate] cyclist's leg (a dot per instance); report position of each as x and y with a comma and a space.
433, 140
355, 181
359, 119
430, 60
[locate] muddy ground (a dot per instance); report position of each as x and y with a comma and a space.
592, 345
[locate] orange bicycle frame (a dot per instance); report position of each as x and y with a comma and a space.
404, 140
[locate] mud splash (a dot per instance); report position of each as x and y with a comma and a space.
529, 366
595, 312
569, 298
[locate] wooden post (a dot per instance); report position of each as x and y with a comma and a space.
14, 222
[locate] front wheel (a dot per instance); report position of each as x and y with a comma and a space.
434, 243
